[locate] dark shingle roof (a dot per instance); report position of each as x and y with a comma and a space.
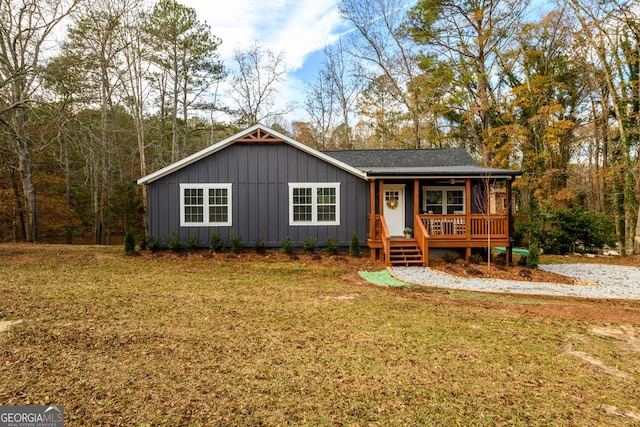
423, 162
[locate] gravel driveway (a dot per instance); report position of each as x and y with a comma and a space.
606, 281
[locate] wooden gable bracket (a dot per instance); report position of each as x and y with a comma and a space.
259, 135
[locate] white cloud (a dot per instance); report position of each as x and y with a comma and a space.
296, 27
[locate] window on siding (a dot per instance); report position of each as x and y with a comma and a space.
314, 204
444, 200
205, 204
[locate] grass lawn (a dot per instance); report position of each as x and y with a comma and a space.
246, 340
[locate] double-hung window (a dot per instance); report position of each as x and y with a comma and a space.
205, 204
314, 203
444, 200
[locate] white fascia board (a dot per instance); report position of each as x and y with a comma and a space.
228, 141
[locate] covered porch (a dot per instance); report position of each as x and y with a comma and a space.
445, 213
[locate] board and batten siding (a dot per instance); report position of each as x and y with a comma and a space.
260, 174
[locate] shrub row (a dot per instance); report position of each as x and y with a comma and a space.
216, 244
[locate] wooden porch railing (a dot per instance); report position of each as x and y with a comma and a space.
465, 227
386, 240
422, 239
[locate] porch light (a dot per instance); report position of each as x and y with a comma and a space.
452, 181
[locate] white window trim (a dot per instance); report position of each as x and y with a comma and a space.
314, 186
444, 198
206, 188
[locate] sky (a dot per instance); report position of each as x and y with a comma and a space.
299, 28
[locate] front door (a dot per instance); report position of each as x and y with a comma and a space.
394, 208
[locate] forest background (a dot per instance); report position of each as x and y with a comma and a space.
130, 87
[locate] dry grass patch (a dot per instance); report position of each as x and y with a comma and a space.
215, 340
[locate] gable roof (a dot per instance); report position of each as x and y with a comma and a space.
436, 162
365, 164
256, 133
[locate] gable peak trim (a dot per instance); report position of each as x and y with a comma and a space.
259, 135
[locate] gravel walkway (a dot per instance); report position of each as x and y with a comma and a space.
606, 281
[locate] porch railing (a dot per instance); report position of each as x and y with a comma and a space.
422, 239
468, 227
386, 239
443, 227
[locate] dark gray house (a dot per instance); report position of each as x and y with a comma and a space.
260, 184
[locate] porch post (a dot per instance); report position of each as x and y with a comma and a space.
372, 209
509, 252
381, 193
467, 229
416, 201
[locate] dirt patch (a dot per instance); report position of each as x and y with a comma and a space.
6, 324
625, 337
612, 410
599, 365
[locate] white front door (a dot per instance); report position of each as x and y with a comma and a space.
394, 208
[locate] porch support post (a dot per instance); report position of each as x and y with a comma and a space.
467, 196
383, 251
509, 252
416, 201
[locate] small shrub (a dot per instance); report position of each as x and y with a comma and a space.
215, 242
450, 257
332, 245
153, 244
174, 242
533, 260
129, 242
236, 243
309, 245
522, 262
194, 243
260, 246
476, 259
354, 246
286, 246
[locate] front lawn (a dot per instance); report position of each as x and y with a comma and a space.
225, 340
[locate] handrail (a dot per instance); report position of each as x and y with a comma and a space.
467, 227
386, 240
422, 239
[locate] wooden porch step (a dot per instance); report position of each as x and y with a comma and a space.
405, 252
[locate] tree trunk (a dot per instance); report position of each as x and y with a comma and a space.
32, 223
19, 210
67, 193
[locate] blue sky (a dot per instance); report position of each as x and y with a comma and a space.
299, 28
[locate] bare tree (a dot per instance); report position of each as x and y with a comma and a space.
95, 46
136, 86
344, 83
25, 30
254, 84
320, 105
384, 48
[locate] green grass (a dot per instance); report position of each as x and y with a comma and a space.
190, 341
